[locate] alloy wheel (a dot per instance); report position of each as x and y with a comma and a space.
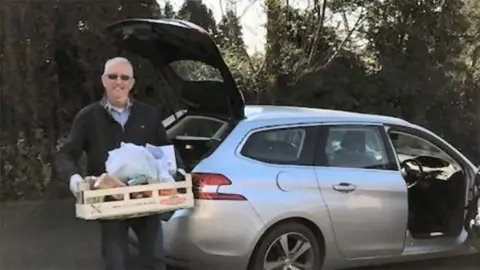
290, 251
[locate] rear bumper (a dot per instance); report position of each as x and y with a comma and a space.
214, 235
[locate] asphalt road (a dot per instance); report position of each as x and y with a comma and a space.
47, 236
459, 263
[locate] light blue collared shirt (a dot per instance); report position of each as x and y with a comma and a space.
120, 116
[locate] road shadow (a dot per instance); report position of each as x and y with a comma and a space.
470, 262
46, 235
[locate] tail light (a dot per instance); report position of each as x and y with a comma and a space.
206, 186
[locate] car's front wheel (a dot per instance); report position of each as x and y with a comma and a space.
287, 246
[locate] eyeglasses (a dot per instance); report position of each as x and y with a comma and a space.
115, 76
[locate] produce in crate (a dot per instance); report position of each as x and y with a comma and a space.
106, 181
132, 164
135, 185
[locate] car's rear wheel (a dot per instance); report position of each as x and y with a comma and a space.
287, 246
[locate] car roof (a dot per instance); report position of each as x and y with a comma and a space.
273, 112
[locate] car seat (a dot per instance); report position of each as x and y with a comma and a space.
353, 151
265, 149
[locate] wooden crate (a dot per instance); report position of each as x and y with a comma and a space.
90, 204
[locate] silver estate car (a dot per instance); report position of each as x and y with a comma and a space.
297, 188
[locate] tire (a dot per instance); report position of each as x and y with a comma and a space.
269, 247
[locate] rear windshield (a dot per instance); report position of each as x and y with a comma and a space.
195, 71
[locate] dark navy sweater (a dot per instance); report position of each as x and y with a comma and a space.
95, 132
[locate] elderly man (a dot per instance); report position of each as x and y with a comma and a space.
99, 128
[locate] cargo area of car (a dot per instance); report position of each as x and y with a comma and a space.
197, 136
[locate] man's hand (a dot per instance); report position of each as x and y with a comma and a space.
74, 182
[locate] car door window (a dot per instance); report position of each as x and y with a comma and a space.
435, 162
355, 147
278, 146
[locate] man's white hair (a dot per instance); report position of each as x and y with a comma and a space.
114, 61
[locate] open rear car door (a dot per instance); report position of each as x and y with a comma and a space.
167, 42
191, 69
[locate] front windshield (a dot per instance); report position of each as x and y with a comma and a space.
408, 146
195, 71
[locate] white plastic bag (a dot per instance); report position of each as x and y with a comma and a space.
166, 162
132, 161
165, 155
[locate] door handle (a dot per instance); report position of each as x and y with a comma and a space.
344, 187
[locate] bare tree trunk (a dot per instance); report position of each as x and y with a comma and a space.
272, 52
319, 29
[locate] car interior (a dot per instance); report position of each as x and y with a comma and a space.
436, 187
352, 151
195, 137
285, 145
189, 83
354, 148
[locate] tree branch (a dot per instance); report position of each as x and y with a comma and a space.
345, 21
247, 8
220, 4
345, 39
359, 21
318, 32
